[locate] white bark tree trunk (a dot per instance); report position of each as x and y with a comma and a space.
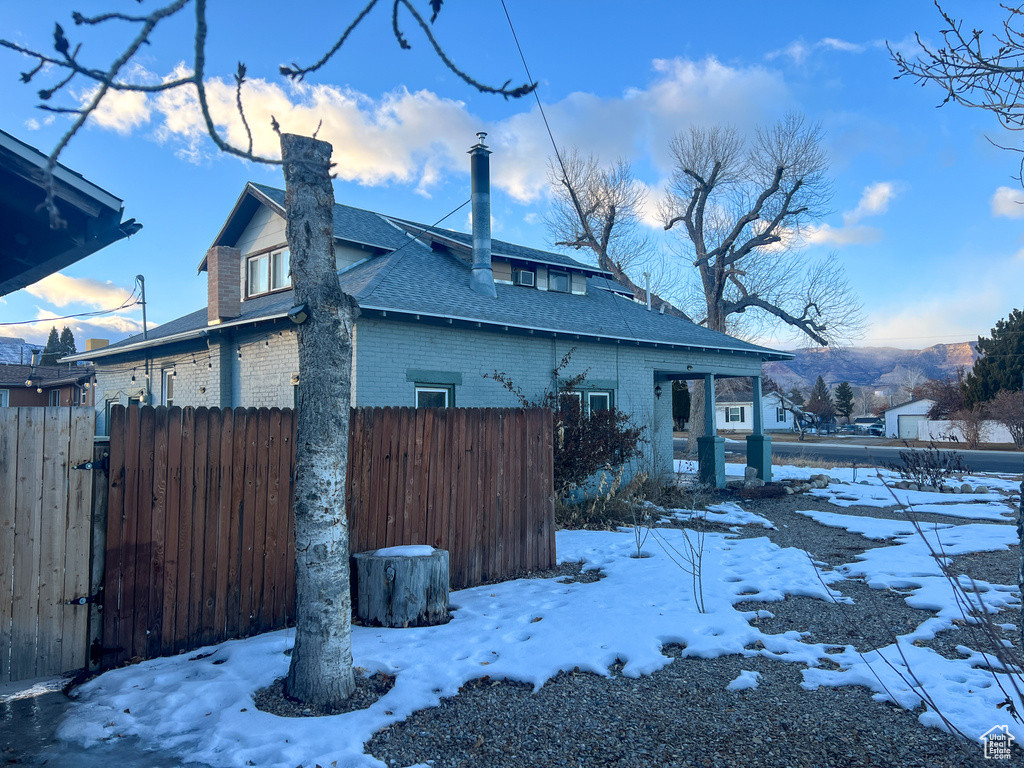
321, 662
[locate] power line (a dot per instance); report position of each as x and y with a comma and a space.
124, 305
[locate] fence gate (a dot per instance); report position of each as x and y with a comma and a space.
45, 532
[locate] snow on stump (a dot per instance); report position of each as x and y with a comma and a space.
403, 586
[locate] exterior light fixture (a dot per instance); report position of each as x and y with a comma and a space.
657, 391
28, 382
299, 314
689, 367
133, 376
39, 390
239, 353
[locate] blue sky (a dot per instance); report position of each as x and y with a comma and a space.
924, 217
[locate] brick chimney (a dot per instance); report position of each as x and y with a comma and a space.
223, 283
481, 278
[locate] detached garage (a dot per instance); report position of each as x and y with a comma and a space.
903, 421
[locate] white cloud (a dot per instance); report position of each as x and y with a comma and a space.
111, 327
874, 200
799, 50
1008, 202
836, 44
419, 138
60, 290
825, 234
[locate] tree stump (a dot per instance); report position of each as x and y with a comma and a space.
403, 586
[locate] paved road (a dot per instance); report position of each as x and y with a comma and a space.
980, 461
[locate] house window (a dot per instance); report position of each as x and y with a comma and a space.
435, 396
558, 281
734, 413
167, 395
5, 398
54, 397
780, 415
269, 272
599, 401
85, 397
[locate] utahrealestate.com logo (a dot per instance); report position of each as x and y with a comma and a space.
998, 742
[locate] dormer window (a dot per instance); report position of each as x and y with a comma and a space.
268, 272
558, 281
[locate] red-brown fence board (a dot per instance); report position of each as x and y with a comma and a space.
200, 540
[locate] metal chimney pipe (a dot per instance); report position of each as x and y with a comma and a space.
481, 277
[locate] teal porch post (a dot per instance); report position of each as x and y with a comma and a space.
710, 447
759, 445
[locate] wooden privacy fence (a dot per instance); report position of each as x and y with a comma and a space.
199, 545
45, 508
199, 532
475, 481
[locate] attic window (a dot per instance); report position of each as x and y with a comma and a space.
268, 272
558, 281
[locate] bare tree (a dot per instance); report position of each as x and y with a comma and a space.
321, 662
974, 70
742, 208
910, 381
791, 402
1008, 409
599, 209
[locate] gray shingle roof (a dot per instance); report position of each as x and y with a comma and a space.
417, 280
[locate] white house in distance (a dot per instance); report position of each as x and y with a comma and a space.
738, 415
903, 421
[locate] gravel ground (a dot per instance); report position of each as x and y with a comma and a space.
684, 716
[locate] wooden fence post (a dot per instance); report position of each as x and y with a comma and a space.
98, 556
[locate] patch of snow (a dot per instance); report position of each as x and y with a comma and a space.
407, 550
747, 679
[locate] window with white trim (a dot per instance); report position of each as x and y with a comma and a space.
54, 397
167, 393
598, 400
435, 396
268, 272
734, 413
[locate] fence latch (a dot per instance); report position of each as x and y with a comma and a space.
101, 463
86, 599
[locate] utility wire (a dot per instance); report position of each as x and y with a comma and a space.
124, 305
554, 145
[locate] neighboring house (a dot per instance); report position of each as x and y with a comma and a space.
16, 350
30, 248
902, 421
737, 414
440, 311
25, 385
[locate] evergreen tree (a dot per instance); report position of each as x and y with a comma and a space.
820, 404
1001, 365
52, 349
844, 399
67, 342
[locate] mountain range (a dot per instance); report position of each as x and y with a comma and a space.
880, 368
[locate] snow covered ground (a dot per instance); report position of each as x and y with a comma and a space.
529, 630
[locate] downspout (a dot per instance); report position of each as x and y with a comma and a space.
481, 277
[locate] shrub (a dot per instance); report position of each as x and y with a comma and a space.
584, 442
928, 466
